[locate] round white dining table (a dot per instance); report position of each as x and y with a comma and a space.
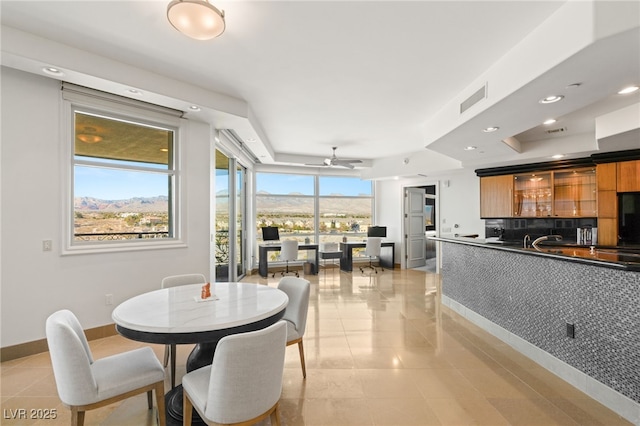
179, 315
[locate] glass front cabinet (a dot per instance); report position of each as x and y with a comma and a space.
566, 193
532, 195
575, 193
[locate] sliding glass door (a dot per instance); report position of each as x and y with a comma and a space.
230, 224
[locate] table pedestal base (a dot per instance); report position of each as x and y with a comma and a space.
173, 404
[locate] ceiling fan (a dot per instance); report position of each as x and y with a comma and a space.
335, 161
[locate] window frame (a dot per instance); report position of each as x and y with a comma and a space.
112, 107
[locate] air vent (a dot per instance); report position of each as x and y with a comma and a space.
556, 131
479, 95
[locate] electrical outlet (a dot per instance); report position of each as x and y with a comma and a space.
47, 245
108, 299
571, 330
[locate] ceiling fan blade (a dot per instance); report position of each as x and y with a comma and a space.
315, 164
346, 165
341, 161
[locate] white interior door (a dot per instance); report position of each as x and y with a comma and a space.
415, 241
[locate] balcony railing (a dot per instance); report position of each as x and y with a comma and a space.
118, 236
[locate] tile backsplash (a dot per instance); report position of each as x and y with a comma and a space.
515, 229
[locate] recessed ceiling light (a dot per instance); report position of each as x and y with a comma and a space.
574, 85
53, 71
628, 90
551, 99
164, 149
549, 121
194, 108
557, 156
470, 148
490, 129
134, 91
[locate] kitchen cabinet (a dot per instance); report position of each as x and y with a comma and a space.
533, 195
496, 196
564, 193
607, 204
629, 176
575, 193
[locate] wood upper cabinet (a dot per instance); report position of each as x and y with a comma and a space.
566, 193
629, 176
496, 196
607, 191
575, 193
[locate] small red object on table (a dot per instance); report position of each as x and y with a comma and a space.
206, 291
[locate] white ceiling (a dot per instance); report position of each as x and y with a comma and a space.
374, 78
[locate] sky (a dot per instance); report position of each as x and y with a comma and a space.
112, 184
287, 184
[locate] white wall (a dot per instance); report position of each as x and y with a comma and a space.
35, 283
459, 203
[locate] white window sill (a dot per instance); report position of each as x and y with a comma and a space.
117, 247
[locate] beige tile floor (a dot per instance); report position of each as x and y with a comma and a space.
380, 350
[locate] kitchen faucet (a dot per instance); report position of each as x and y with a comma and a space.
535, 242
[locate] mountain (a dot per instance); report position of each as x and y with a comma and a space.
134, 205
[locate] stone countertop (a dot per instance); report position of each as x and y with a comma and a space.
626, 258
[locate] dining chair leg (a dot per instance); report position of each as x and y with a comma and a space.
166, 356
275, 416
77, 417
162, 414
301, 350
173, 365
187, 409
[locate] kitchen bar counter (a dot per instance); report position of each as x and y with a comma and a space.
573, 312
626, 258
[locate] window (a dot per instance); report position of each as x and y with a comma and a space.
123, 179
339, 207
285, 201
346, 205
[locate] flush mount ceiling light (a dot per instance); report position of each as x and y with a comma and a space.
628, 90
194, 108
549, 121
490, 129
551, 99
469, 148
197, 19
89, 138
557, 156
89, 135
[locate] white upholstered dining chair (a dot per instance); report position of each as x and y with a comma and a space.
295, 314
174, 281
85, 384
243, 384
